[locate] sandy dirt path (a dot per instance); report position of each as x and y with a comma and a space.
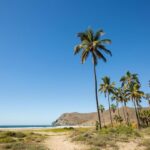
61, 141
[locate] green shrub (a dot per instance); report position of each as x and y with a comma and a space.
7, 140
13, 134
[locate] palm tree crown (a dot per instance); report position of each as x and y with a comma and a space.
107, 87
92, 43
113, 107
134, 92
101, 108
128, 79
120, 95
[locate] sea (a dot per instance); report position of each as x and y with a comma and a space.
25, 126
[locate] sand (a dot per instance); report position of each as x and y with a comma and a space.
61, 141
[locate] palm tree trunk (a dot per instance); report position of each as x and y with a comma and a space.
124, 112
138, 124
110, 111
128, 119
117, 104
96, 96
138, 111
103, 119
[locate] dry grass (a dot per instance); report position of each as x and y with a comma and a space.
107, 137
21, 141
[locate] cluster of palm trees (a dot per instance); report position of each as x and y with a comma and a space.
128, 91
91, 43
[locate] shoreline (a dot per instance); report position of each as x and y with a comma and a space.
41, 128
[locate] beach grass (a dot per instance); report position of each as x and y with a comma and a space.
57, 130
24, 140
107, 137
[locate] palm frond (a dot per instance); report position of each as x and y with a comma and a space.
84, 56
100, 55
104, 49
77, 49
90, 34
98, 34
83, 36
106, 41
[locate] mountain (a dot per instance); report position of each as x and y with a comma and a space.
89, 119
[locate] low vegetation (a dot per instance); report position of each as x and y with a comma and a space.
57, 130
21, 140
110, 137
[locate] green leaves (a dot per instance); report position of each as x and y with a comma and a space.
134, 92
101, 108
113, 107
98, 34
91, 43
107, 86
100, 55
77, 49
129, 79
84, 56
106, 41
102, 48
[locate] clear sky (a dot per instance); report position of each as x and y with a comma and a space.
40, 78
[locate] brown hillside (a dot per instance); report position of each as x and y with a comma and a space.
89, 118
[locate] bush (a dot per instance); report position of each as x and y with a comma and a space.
14, 134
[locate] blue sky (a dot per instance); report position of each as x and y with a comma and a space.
40, 78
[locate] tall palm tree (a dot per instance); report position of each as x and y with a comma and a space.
91, 43
102, 109
135, 95
107, 88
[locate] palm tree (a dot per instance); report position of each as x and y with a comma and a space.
128, 79
147, 97
115, 97
120, 96
135, 95
102, 109
107, 88
91, 43
113, 108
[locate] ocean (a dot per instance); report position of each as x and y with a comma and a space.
25, 126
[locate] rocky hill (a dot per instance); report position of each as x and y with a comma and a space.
89, 119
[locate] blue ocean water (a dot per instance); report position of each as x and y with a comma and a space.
25, 126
